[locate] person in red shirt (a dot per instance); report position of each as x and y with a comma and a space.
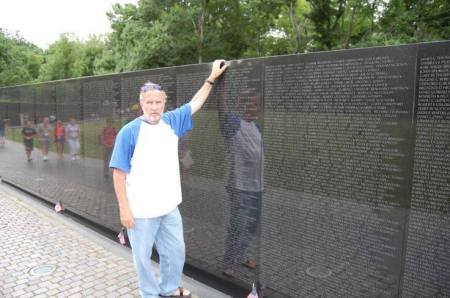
60, 138
107, 139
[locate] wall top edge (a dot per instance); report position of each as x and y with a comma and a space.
169, 68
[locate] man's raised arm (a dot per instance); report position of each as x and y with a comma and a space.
202, 94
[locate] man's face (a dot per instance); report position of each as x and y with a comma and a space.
152, 104
46, 120
252, 108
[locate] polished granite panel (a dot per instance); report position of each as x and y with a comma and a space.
318, 175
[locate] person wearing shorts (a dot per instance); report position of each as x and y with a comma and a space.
44, 132
28, 133
73, 138
60, 138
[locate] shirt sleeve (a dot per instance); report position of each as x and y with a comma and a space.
230, 125
123, 149
180, 119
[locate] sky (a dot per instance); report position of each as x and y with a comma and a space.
42, 21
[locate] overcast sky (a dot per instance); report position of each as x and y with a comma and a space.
42, 21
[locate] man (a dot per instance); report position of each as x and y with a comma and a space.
28, 133
147, 184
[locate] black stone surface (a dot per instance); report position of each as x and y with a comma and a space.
352, 148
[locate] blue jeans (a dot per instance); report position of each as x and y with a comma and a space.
245, 209
167, 233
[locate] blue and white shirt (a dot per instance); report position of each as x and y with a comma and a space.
148, 154
245, 153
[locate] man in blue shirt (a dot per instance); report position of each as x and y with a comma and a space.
147, 184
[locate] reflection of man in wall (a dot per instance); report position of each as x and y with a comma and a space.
107, 139
44, 131
244, 143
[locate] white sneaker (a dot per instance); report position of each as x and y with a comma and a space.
45, 158
73, 158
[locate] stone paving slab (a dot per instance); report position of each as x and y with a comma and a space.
87, 263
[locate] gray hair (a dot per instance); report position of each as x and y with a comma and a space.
149, 86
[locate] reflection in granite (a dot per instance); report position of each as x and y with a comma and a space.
329, 171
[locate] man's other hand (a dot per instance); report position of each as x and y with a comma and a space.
126, 218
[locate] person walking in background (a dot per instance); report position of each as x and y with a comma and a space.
28, 133
59, 138
135, 112
146, 173
73, 138
2, 131
107, 139
44, 131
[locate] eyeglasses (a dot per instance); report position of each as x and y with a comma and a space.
150, 86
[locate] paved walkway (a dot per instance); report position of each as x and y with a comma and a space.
83, 190
86, 264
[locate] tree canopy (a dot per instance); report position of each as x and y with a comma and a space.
157, 33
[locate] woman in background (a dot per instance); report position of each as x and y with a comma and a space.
60, 138
73, 138
44, 132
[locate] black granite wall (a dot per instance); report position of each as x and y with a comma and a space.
328, 171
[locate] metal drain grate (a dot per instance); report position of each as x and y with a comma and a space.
42, 270
188, 229
318, 272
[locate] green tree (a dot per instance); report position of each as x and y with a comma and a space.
63, 59
91, 51
406, 21
19, 60
291, 29
262, 36
325, 16
121, 41
163, 33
